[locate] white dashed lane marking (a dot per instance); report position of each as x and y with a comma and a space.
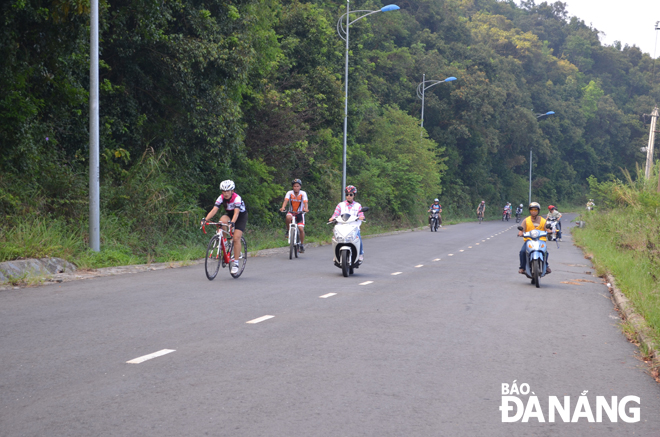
366, 283
451, 254
144, 358
437, 259
325, 296
396, 273
461, 250
260, 319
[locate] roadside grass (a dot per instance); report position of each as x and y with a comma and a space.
627, 245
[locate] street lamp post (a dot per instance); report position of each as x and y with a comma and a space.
340, 30
94, 196
421, 88
530, 158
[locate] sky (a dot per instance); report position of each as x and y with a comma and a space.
630, 21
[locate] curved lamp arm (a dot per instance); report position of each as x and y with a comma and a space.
421, 86
366, 12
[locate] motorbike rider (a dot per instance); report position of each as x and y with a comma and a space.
299, 206
350, 206
507, 209
534, 221
590, 205
555, 215
436, 207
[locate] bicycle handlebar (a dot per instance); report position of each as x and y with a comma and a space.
203, 227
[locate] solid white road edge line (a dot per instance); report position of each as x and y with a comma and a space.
260, 319
144, 358
325, 296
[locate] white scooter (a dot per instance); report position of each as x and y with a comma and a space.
537, 255
346, 242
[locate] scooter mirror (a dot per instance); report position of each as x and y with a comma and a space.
520, 228
365, 208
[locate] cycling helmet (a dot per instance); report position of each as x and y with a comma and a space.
521, 205
436, 200
551, 207
534, 205
483, 201
296, 181
227, 185
350, 190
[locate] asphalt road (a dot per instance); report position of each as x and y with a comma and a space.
420, 353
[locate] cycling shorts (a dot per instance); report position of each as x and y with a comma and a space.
241, 220
300, 218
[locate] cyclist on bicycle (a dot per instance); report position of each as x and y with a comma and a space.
350, 206
233, 204
481, 210
299, 207
436, 207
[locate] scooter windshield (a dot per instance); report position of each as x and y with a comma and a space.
345, 217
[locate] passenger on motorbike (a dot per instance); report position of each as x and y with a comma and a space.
555, 215
534, 221
436, 207
350, 206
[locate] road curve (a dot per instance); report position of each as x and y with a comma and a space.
418, 342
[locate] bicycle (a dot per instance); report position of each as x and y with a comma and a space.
480, 217
219, 251
294, 237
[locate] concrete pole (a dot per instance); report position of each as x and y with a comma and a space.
343, 178
649, 148
530, 176
422, 125
94, 196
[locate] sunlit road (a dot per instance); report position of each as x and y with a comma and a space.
417, 343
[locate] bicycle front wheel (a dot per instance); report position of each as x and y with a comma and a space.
213, 258
242, 260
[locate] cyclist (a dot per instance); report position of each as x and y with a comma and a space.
299, 206
436, 207
233, 204
555, 215
350, 206
481, 210
534, 221
519, 210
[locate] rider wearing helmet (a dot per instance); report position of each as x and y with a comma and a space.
555, 215
234, 205
299, 206
519, 210
350, 206
534, 221
481, 209
436, 207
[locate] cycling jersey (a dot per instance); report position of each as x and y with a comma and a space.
482, 206
348, 208
297, 202
234, 202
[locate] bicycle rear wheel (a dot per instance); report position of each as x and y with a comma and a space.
213, 257
242, 260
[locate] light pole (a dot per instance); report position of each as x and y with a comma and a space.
421, 88
530, 158
94, 197
340, 30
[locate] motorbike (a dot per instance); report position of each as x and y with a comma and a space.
537, 255
435, 221
505, 214
346, 242
518, 216
553, 234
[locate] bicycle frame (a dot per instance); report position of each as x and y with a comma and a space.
224, 234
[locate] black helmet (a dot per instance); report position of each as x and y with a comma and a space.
296, 181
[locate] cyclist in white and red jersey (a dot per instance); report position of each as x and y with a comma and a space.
235, 206
299, 206
350, 206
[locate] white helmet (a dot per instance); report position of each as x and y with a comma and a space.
227, 185
435, 200
521, 205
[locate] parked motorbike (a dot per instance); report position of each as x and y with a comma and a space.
435, 221
346, 242
537, 255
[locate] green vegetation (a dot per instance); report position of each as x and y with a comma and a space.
195, 92
623, 233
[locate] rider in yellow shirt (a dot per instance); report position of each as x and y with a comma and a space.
534, 221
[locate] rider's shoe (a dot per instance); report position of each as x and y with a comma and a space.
521, 271
547, 270
234, 268
302, 249
361, 258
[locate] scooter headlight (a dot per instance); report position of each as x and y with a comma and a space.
534, 234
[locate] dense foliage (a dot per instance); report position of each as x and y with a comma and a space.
197, 91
